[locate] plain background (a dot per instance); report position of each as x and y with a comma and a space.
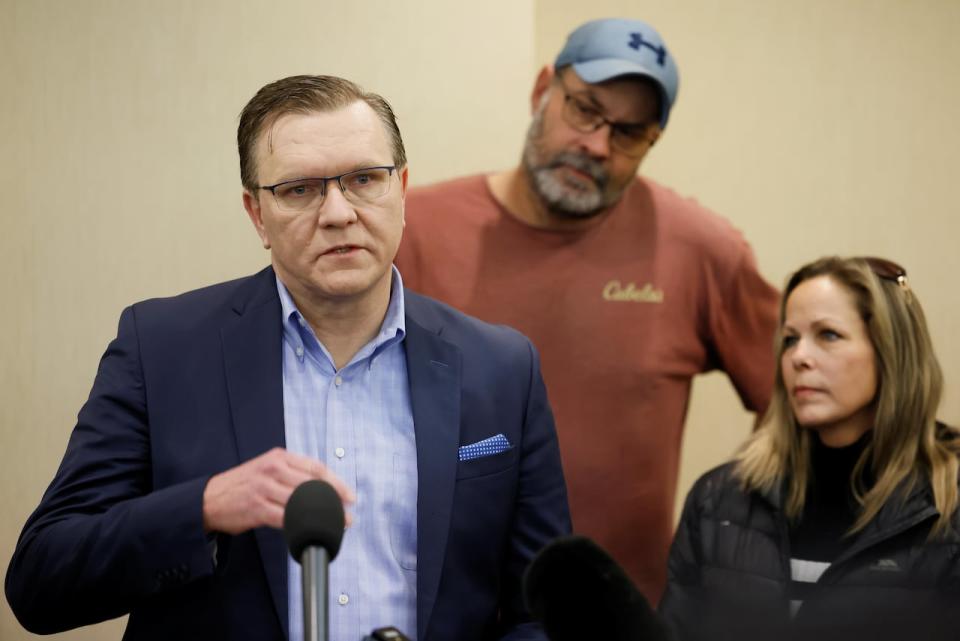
816, 127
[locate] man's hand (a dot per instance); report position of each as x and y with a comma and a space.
255, 493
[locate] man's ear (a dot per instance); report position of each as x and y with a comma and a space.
404, 175
655, 132
252, 205
541, 86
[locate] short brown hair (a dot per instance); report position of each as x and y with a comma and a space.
305, 94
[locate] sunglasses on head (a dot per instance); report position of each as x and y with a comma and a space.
887, 270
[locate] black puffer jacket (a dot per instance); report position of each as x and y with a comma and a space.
729, 572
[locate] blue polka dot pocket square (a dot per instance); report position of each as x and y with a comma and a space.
486, 447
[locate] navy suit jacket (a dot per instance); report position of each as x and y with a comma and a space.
192, 386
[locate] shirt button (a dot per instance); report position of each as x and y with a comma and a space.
339, 452
299, 351
301, 321
337, 381
343, 599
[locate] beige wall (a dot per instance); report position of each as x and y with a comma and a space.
816, 127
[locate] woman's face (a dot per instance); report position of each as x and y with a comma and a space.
828, 363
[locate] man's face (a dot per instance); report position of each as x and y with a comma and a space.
578, 174
341, 249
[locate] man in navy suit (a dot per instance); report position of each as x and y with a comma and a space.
209, 408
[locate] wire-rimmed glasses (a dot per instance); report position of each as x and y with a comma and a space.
307, 194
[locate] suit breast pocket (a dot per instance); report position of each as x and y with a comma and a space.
487, 465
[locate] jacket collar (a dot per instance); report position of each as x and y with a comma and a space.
906, 508
253, 367
434, 370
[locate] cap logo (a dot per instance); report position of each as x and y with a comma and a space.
637, 41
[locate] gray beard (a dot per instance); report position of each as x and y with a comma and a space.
558, 196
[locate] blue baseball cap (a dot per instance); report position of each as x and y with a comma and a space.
612, 47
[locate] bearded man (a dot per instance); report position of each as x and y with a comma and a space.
627, 289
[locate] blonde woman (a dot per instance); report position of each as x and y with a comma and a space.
838, 518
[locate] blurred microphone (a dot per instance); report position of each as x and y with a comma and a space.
386, 634
577, 591
313, 523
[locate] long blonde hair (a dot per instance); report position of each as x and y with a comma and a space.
906, 446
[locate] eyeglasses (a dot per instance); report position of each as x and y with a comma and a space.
307, 194
633, 139
888, 270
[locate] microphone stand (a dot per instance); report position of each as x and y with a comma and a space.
314, 563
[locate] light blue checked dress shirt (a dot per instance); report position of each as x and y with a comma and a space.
359, 422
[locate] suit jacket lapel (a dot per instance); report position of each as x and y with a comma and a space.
252, 353
433, 367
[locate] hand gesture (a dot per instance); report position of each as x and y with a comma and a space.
255, 493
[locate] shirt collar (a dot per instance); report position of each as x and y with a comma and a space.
392, 330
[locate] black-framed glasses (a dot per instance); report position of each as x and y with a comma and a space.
631, 138
307, 194
887, 270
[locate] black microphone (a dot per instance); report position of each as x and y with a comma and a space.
577, 591
313, 524
389, 633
